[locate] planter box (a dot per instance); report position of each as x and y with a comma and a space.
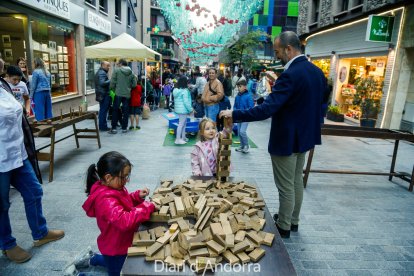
335, 117
368, 122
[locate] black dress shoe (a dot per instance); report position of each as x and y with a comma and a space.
293, 227
285, 234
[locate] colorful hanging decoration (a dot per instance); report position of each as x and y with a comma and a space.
202, 28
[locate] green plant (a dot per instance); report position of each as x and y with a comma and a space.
334, 109
365, 97
352, 75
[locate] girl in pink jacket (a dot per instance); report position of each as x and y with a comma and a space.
117, 212
204, 154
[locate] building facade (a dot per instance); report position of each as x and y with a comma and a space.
58, 32
350, 39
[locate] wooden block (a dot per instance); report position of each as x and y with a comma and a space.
225, 153
135, 238
159, 231
215, 246
183, 225
154, 248
173, 228
241, 246
201, 217
175, 235
220, 241
239, 236
214, 204
166, 200
144, 235
251, 212
173, 211
179, 206
224, 141
137, 251
247, 201
207, 234
230, 257
268, 239
156, 200
174, 220
205, 262
244, 258
144, 242
177, 251
160, 256
164, 239
216, 229
213, 254
195, 245
201, 252
167, 249
206, 219
253, 236
257, 254
155, 217
164, 210
174, 262
230, 240
163, 190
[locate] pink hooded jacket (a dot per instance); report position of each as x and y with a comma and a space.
199, 163
118, 214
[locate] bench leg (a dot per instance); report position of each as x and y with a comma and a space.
97, 131
308, 166
52, 154
75, 131
394, 158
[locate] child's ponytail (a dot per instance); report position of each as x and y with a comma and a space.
91, 178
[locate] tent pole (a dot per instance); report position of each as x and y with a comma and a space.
161, 71
145, 81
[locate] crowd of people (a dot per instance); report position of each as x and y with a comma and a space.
294, 106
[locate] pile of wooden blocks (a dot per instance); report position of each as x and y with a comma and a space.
227, 224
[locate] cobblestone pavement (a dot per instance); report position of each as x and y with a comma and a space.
350, 225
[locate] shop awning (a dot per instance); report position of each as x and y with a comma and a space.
123, 46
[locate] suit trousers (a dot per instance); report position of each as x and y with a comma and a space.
288, 176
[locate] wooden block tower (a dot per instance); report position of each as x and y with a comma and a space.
224, 153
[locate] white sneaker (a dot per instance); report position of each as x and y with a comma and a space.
180, 142
239, 149
185, 139
245, 149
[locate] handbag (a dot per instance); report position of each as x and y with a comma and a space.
214, 92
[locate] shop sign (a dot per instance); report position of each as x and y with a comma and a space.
60, 8
98, 23
379, 28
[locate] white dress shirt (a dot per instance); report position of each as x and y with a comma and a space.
12, 150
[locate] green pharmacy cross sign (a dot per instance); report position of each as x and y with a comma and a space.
379, 28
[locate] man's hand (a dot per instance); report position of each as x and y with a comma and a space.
144, 192
226, 114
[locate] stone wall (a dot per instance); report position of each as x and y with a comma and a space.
325, 13
375, 4
302, 27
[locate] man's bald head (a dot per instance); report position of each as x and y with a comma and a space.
287, 46
105, 65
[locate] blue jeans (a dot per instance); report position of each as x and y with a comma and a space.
43, 105
211, 111
112, 263
103, 111
25, 181
244, 140
125, 111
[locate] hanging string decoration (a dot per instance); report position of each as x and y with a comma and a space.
202, 28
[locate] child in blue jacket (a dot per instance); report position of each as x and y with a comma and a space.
243, 101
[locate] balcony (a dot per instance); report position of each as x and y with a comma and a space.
166, 53
154, 4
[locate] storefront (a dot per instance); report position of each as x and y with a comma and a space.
345, 54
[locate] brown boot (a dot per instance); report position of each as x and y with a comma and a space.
52, 235
17, 254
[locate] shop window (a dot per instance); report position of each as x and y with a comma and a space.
103, 6
13, 42
118, 9
53, 41
92, 65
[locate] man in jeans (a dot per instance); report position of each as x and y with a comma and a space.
102, 93
122, 81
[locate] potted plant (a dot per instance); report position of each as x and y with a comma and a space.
334, 114
367, 98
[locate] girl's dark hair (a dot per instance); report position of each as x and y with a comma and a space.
182, 82
112, 163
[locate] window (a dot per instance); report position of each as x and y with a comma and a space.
118, 10
92, 65
129, 17
90, 2
54, 42
357, 3
103, 6
343, 5
154, 43
153, 20
315, 11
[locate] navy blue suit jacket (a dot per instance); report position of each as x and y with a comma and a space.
295, 108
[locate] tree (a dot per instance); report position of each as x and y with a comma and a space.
243, 50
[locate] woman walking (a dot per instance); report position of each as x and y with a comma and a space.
40, 91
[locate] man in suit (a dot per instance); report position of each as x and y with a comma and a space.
295, 108
102, 93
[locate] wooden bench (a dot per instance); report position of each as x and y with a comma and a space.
365, 132
47, 129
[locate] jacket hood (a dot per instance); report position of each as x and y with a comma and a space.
178, 92
97, 190
126, 70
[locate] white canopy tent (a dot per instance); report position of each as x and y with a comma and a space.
126, 47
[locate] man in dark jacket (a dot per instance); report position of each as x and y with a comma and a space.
102, 93
295, 108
